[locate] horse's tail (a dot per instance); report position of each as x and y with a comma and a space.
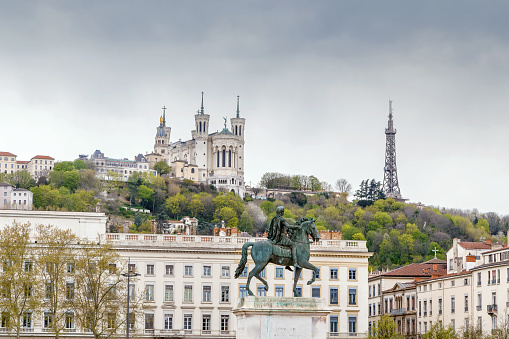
243, 260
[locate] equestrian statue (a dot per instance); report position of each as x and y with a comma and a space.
287, 245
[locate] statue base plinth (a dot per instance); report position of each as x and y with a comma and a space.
281, 317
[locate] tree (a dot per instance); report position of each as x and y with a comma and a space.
385, 329
20, 179
146, 195
101, 290
55, 263
79, 164
246, 223
162, 167
196, 206
343, 186
228, 215
437, 331
314, 183
177, 204
20, 289
63, 166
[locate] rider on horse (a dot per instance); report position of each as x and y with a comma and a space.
278, 233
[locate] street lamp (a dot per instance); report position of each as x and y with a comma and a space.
129, 274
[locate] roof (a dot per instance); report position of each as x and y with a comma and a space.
22, 161
8, 154
421, 270
435, 261
97, 154
464, 272
5, 183
474, 245
225, 131
497, 249
43, 157
21, 189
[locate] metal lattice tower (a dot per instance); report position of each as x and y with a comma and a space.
391, 185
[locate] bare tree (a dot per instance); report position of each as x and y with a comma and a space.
343, 186
20, 288
55, 261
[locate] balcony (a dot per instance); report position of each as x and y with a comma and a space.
397, 311
492, 309
478, 307
425, 313
341, 335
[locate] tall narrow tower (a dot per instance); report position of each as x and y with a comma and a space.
391, 185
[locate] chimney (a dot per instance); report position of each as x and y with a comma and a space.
435, 267
417, 279
434, 276
488, 241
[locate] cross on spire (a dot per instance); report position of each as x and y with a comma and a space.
164, 115
435, 250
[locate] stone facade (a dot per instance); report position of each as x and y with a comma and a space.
211, 158
106, 167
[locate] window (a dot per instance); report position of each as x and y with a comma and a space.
440, 306
111, 320
279, 272
334, 274
352, 296
48, 320
168, 292
452, 283
188, 293
149, 292
352, 324
453, 304
207, 271
168, 321
242, 291
334, 296
225, 319
466, 303
262, 273
29, 266
352, 274
207, 291
150, 269
69, 290
27, 319
244, 273
225, 294
168, 269
132, 291
188, 321
188, 271
260, 291
298, 290
149, 321
225, 271
279, 291
69, 320
205, 322
315, 292
479, 277
70, 267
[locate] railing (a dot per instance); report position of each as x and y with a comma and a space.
492, 308
398, 311
220, 241
341, 335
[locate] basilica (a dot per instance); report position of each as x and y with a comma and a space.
211, 158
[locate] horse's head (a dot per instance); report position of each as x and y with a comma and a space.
311, 228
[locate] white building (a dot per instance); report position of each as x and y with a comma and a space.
124, 168
457, 254
15, 198
212, 158
38, 166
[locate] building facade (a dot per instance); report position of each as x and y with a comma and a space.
109, 168
38, 166
213, 158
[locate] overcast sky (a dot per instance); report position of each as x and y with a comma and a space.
314, 79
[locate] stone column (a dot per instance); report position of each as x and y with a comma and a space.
281, 317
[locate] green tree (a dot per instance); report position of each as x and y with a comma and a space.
483, 225
79, 164
314, 183
196, 206
437, 331
146, 195
385, 329
71, 180
162, 167
246, 223
177, 205
20, 179
383, 219
63, 166
228, 215
267, 207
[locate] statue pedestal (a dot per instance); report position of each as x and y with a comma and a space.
281, 317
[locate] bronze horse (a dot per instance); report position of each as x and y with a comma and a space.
264, 252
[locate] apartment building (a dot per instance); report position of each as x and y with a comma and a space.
15, 198
38, 166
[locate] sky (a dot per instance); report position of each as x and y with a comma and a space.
314, 79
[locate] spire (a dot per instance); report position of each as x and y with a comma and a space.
164, 116
202, 110
390, 126
238, 112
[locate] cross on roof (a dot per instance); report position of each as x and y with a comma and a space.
435, 250
164, 109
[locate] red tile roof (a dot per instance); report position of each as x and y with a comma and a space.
8, 154
43, 157
474, 245
421, 270
22, 162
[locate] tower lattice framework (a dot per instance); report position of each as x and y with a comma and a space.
391, 184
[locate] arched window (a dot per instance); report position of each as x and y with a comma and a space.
224, 158
240, 130
204, 129
217, 158
200, 126
236, 130
230, 158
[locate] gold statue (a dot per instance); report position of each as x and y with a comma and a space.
161, 119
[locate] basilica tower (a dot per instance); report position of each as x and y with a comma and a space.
238, 125
201, 141
162, 139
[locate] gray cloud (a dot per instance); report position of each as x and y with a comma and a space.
314, 81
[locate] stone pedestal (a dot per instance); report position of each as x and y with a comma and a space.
281, 317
